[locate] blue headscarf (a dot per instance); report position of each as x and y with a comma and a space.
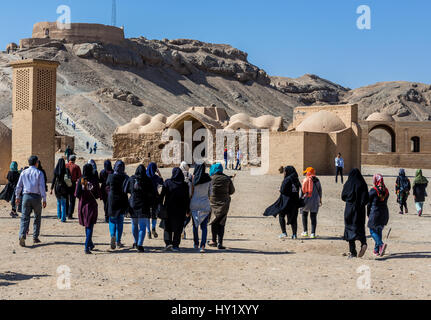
14, 166
216, 168
119, 167
152, 174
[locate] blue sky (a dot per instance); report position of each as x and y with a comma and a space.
283, 37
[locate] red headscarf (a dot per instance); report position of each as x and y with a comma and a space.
307, 186
379, 186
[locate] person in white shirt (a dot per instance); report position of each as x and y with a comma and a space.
230, 159
339, 165
238, 160
31, 187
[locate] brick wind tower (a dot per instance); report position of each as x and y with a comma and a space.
34, 112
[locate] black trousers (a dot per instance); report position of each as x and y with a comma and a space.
313, 217
352, 245
403, 205
173, 238
70, 202
217, 231
294, 225
339, 172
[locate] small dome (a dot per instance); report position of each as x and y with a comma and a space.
153, 126
128, 128
237, 125
380, 116
6, 151
241, 117
160, 117
323, 122
142, 120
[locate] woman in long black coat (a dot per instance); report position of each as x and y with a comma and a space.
103, 177
355, 194
61, 188
118, 203
142, 198
8, 193
175, 195
288, 203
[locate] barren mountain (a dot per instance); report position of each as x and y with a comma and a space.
101, 87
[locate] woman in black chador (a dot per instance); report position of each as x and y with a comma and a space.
355, 194
288, 203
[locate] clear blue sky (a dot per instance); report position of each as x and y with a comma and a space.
283, 37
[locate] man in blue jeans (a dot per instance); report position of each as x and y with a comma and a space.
31, 188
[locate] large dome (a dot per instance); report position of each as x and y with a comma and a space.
6, 151
322, 122
380, 116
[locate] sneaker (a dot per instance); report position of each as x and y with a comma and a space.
407, 211
212, 244
155, 235
36, 241
113, 245
221, 247
313, 236
401, 212
376, 252
22, 242
88, 252
304, 234
351, 256
282, 236
294, 237
363, 250
169, 248
202, 250
120, 245
420, 213
383, 249
141, 249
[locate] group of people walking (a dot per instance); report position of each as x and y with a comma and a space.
306, 198
145, 197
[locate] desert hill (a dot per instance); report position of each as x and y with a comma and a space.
101, 87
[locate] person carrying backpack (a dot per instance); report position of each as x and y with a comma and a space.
402, 189
61, 183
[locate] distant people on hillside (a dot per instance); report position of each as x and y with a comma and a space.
312, 193
288, 203
118, 203
87, 145
30, 190
339, 168
95, 148
176, 198
8, 193
402, 189
103, 177
61, 184
91, 150
355, 194
75, 172
87, 191
378, 213
200, 205
222, 190
419, 191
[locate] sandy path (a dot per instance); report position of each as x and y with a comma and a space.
257, 265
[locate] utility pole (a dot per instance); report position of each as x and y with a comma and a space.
114, 13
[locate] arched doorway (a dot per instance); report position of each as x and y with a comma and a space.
381, 139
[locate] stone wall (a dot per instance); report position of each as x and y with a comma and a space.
80, 33
397, 160
61, 143
6, 152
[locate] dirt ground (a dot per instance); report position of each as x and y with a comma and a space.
257, 265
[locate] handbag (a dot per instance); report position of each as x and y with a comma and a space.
162, 212
301, 203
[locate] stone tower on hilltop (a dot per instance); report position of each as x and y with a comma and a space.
34, 111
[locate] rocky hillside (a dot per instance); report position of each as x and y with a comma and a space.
101, 87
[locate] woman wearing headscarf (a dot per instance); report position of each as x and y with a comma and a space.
378, 213
156, 178
222, 190
142, 198
311, 192
288, 202
103, 177
175, 196
420, 191
94, 172
355, 194
200, 205
8, 193
88, 191
402, 189
118, 203
59, 185
188, 178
